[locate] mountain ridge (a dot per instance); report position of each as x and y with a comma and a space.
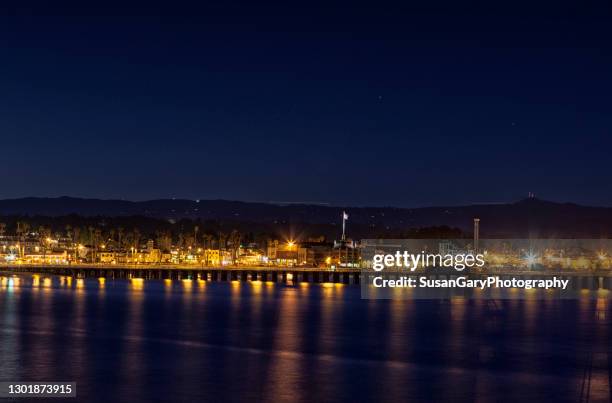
526, 217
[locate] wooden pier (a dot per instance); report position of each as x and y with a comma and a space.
292, 275
274, 274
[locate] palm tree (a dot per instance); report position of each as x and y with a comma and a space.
208, 239
128, 239
111, 236
70, 236
137, 238
68, 229
234, 240
91, 239
97, 239
222, 244
195, 236
120, 233
43, 236
22, 230
163, 240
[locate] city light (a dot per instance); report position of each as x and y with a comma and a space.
530, 258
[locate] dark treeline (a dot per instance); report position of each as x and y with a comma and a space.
132, 231
124, 232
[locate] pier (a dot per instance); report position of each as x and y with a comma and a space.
274, 274
289, 275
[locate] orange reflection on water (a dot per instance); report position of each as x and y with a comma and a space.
10, 282
601, 307
187, 283
235, 287
256, 286
286, 337
137, 283
168, 288
132, 364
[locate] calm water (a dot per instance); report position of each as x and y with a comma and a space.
195, 341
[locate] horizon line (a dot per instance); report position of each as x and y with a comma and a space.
299, 203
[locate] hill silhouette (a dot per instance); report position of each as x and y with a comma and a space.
529, 217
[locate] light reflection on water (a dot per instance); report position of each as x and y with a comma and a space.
143, 340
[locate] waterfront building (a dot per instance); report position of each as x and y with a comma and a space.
47, 257
283, 253
315, 253
346, 253
107, 257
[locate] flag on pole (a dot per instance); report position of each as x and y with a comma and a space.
344, 218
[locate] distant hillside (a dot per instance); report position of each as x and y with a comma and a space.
529, 217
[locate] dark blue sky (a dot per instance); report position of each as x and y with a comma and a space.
358, 104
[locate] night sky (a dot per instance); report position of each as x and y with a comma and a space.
353, 104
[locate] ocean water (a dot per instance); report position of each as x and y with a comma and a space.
187, 341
